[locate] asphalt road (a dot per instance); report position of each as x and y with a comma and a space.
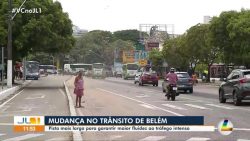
41, 97
117, 97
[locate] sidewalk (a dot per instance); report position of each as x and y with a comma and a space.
6, 92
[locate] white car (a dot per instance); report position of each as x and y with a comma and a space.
137, 76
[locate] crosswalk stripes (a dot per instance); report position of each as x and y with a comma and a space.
220, 106
148, 106
153, 138
24, 137
173, 106
196, 106
198, 139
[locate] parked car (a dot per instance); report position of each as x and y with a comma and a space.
184, 83
148, 78
236, 86
137, 76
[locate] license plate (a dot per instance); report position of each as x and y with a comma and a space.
174, 88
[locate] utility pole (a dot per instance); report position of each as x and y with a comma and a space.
9, 58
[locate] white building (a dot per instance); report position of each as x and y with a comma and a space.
206, 19
77, 32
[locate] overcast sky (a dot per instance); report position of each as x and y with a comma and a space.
113, 15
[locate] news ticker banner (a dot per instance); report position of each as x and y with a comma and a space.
110, 123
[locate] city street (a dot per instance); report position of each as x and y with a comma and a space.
117, 97
42, 97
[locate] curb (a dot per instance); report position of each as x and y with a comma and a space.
6, 93
76, 134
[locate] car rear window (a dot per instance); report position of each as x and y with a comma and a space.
182, 75
246, 74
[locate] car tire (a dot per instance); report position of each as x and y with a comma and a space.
222, 99
163, 90
191, 91
185, 91
236, 100
134, 82
156, 84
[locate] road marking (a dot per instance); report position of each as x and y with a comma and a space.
38, 97
220, 106
63, 93
153, 138
142, 96
6, 123
25, 137
241, 129
140, 102
114, 137
2, 134
58, 139
199, 107
174, 107
147, 106
10, 99
198, 139
242, 140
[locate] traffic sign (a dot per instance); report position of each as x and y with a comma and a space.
142, 62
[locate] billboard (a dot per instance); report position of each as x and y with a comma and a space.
140, 55
151, 45
128, 56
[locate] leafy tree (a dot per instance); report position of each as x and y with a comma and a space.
127, 35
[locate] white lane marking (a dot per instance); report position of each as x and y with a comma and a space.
114, 137
140, 102
24, 137
6, 124
147, 106
2, 134
241, 129
198, 139
142, 96
173, 106
38, 97
10, 99
58, 139
63, 93
196, 106
153, 138
220, 106
242, 140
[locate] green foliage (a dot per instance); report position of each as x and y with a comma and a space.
127, 35
49, 31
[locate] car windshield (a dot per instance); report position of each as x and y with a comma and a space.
132, 67
98, 66
246, 74
182, 75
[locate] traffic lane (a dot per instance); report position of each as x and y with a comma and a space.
124, 90
189, 105
40, 98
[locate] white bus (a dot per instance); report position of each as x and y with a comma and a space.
74, 68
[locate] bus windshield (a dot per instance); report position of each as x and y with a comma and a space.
98, 66
32, 67
132, 66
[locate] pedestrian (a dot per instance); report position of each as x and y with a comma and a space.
79, 88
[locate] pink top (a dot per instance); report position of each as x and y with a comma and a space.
79, 84
172, 78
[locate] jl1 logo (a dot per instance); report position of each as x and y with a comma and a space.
31, 120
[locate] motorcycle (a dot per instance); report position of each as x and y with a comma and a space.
172, 92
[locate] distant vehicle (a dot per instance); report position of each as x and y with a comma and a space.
32, 70
148, 78
236, 87
50, 69
74, 68
129, 70
98, 70
137, 76
184, 83
118, 72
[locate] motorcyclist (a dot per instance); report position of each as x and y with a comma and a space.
172, 79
